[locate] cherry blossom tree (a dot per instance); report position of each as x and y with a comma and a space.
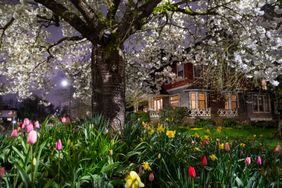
106, 44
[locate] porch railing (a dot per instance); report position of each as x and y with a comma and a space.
227, 112
154, 114
199, 112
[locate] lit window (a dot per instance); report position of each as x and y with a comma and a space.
198, 100
230, 101
158, 104
174, 101
198, 71
180, 70
261, 103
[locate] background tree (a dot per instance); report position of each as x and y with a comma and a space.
99, 37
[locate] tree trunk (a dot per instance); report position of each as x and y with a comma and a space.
108, 84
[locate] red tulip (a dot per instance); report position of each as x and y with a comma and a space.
204, 161
59, 145
14, 133
32, 137
192, 172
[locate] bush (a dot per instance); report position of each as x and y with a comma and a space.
173, 116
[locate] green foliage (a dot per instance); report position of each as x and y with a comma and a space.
230, 123
173, 116
168, 6
202, 123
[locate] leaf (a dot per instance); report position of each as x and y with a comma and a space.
24, 176
239, 182
22, 156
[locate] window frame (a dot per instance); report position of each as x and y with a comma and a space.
180, 68
198, 68
197, 99
178, 100
228, 101
265, 102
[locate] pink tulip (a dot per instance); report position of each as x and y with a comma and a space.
59, 145
277, 148
65, 120
25, 122
36, 125
29, 127
227, 146
2, 172
205, 142
248, 161
151, 177
192, 142
259, 161
14, 133
32, 137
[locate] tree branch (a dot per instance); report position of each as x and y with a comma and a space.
10, 22
113, 9
74, 20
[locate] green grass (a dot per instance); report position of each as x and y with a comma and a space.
264, 135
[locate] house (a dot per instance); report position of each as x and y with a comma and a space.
245, 104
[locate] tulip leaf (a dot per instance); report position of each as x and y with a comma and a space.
24, 176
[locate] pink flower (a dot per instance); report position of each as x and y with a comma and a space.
277, 148
151, 177
25, 122
205, 142
65, 120
59, 145
14, 133
2, 172
32, 137
29, 127
36, 125
248, 161
259, 161
227, 146
192, 142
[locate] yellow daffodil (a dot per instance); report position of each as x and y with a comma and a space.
151, 131
146, 166
144, 124
160, 128
170, 134
218, 129
133, 180
221, 146
242, 145
196, 135
206, 137
213, 157
196, 129
208, 131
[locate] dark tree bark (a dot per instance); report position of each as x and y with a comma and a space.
108, 84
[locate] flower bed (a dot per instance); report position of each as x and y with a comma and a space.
86, 154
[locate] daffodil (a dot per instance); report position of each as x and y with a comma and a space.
218, 129
146, 166
196, 135
221, 146
133, 180
206, 137
242, 145
160, 128
151, 131
170, 134
208, 131
213, 157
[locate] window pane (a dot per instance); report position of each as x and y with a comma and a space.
255, 103
180, 70
198, 71
193, 100
174, 100
233, 102
158, 104
226, 105
266, 104
260, 103
202, 100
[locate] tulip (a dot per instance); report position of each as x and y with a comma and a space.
205, 142
192, 172
2, 172
14, 133
204, 161
259, 161
277, 148
227, 146
65, 120
59, 145
25, 122
192, 142
29, 127
248, 161
133, 180
151, 177
32, 137
36, 125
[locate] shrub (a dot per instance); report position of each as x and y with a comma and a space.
173, 116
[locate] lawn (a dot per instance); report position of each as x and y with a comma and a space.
262, 134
